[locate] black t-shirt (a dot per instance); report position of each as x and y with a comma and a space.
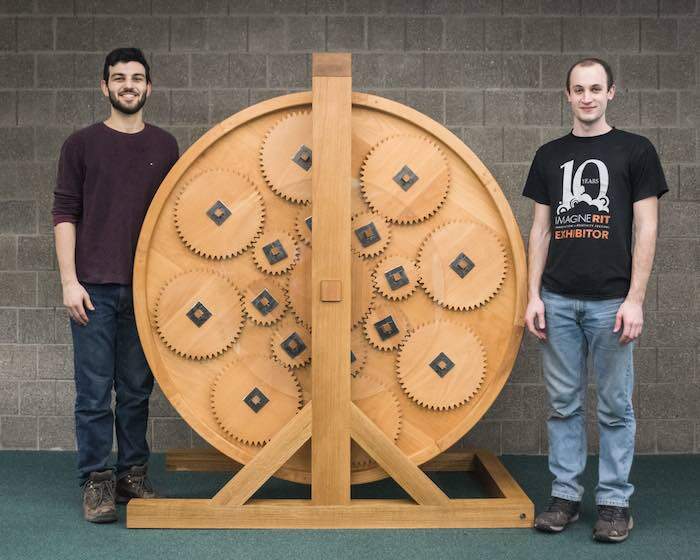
590, 184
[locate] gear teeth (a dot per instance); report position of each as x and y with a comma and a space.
280, 334
276, 288
397, 320
234, 329
382, 284
289, 245
300, 227
380, 226
229, 416
265, 165
203, 248
487, 288
417, 392
390, 213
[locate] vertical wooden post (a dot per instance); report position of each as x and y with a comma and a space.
330, 279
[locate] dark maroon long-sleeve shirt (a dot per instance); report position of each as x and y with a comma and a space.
106, 181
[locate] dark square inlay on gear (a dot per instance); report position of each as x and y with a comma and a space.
198, 314
442, 364
275, 252
264, 302
308, 223
396, 277
462, 265
386, 328
367, 234
405, 178
256, 399
293, 345
303, 157
218, 213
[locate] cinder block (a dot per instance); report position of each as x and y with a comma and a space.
528, 365
534, 39
677, 255
9, 397
428, 102
18, 432
65, 398
659, 34
404, 6
560, 7
17, 216
676, 292
75, 34
229, 34
364, 7
659, 108
47, 145
88, 69
224, 103
485, 435
677, 144
424, 34
689, 182
209, 70
266, 34
247, 71
62, 327
398, 95
638, 72
675, 436
503, 34
543, 108
17, 361
35, 253
623, 110
37, 398
677, 7
554, 69
36, 107
598, 8
157, 108
187, 34
645, 365
190, 107
521, 7
75, 108
110, 7
159, 406
504, 108
688, 35
672, 180
582, 35
55, 361
521, 71
639, 7
346, 33
8, 252
387, 70
36, 326
150, 33
16, 144
645, 437
464, 34
620, 34
8, 34
34, 34
190, 6
679, 219
170, 70
386, 33
464, 108
508, 404
675, 329
57, 433
306, 33
520, 437
54, 7
8, 108
170, 433
289, 70
536, 403
520, 144
676, 365
324, 6
486, 143
689, 112
677, 71
8, 325
444, 70
51, 70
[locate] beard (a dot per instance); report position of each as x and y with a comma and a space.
126, 109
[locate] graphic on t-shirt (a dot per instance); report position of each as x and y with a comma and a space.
583, 212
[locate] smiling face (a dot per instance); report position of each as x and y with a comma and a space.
127, 88
588, 93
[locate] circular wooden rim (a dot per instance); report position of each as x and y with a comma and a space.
287, 102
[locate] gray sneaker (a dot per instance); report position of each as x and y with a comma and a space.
557, 516
134, 483
98, 498
614, 524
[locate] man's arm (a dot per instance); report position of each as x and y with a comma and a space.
75, 297
630, 316
538, 247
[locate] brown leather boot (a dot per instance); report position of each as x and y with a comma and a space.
134, 483
98, 498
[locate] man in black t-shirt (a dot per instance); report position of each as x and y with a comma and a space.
107, 176
586, 290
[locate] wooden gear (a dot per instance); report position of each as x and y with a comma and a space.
350, 154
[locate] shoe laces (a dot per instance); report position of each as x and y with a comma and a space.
557, 505
140, 481
612, 513
102, 490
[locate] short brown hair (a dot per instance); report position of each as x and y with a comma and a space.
590, 62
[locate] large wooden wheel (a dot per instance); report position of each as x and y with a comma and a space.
222, 278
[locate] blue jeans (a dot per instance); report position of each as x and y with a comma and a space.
108, 354
575, 328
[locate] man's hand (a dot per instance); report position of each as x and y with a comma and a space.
534, 318
76, 299
631, 317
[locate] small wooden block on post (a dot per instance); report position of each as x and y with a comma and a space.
331, 290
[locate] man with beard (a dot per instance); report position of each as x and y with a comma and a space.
586, 290
107, 175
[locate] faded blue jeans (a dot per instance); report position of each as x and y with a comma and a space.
108, 354
576, 328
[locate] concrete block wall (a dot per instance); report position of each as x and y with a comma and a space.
491, 71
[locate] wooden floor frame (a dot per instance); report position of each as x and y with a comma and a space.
332, 418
